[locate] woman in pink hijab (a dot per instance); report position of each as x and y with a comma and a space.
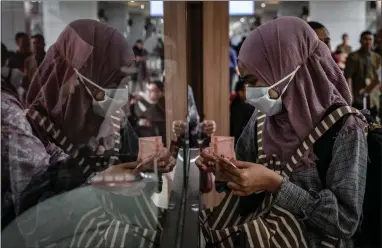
297, 84
70, 127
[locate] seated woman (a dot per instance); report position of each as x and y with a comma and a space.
149, 111
298, 85
69, 130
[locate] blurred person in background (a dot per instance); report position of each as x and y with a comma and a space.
344, 47
323, 34
237, 48
11, 79
343, 50
139, 51
141, 74
363, 69
241, 111
149, 28
17, 60
34, 61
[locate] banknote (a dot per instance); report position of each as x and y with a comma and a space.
223, 148
149, 146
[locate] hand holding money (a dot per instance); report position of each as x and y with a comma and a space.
220, 153
152, 154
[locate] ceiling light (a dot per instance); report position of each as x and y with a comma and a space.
142, 6
263, 5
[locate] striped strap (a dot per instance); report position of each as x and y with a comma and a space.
260, 123
62, 141
318, 131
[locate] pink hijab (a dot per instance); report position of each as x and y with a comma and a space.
99, 52
274, 50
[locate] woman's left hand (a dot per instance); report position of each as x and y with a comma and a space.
209, 127
166, 162
251, 178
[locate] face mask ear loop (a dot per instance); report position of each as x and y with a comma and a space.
88, 80
290, 76
87, 89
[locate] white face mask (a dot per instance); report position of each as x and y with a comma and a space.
114, 99
260, 99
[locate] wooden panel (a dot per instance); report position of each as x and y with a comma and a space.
175, 38
216, 75
216, 64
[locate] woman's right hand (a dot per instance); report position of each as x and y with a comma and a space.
206, 161
179, 128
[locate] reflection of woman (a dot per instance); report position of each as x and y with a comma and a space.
306, 86
73, 115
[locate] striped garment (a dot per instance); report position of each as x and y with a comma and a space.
270, 225
111, 221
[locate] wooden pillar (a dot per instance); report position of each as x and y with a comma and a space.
175, 40
216, 75
216, 64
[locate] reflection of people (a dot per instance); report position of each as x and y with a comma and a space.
328, 201
149, 111
38, 55
11, 79
241, 111
67, 133
362, 69
140, 55
17, 60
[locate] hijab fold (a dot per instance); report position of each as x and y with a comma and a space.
274, 50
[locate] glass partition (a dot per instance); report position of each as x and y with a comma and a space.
86, 160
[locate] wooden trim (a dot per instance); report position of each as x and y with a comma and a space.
175, 40
216, 75
216, 64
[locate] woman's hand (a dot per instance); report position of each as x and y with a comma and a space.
206, 161
166, 162
209, 127
179, 128
251, 178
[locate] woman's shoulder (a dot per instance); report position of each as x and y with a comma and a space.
353, 125
12, 113
10, 105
